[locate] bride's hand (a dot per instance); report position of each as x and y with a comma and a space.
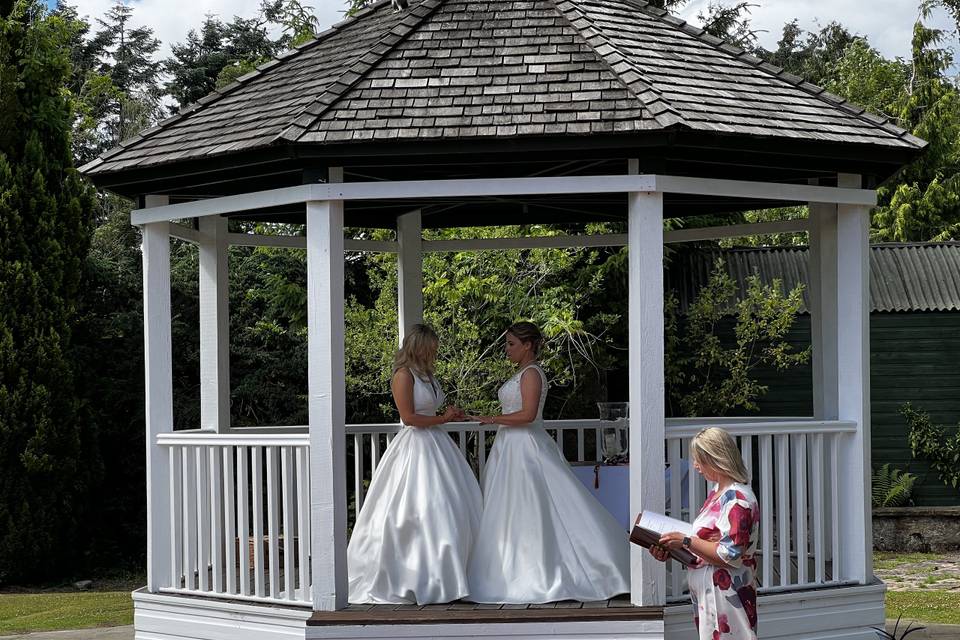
451, 414
484, 419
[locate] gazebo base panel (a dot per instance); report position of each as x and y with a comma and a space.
832, 613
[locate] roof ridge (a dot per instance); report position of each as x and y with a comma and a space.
216, 94
778, 72
358, 70
612, 57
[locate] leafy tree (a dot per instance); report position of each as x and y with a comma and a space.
731, 23
48, 453
813, 56
933, 443
705, 375
220, 52
922, 202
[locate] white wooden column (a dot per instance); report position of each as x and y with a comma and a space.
647, 436
409, 271
214, 325
328, 495
853, 374
822, 270
158, 365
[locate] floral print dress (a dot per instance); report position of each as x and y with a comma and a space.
725, 598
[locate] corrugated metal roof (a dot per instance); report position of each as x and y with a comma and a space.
903, 277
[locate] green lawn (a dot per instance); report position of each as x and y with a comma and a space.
51, 611
941, 607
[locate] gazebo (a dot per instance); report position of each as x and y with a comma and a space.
484, 112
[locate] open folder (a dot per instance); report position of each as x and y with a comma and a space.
650, 525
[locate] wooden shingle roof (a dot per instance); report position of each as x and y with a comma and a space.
490, 69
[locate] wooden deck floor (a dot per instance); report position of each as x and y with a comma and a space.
470, 613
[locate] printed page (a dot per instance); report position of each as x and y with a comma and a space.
663, 524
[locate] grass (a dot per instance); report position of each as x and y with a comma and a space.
23, 612
887, 560
941, 607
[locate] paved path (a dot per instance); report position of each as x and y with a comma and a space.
931, 632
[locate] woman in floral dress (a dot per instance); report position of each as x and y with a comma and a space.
723, 581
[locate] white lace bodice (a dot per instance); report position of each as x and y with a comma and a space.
511, 400
427, 395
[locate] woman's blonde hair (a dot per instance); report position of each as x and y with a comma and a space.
527, 332
715, 448
418, 351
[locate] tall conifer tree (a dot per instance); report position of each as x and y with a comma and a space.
45, 212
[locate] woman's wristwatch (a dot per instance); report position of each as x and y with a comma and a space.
685, 543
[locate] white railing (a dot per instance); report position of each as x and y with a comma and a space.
240, 516
240, 519
794, 464
577, 439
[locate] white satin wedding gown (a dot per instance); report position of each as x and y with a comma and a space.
412, 539
542, 536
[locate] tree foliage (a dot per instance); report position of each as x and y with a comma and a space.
932, 442
48, 458
707, 376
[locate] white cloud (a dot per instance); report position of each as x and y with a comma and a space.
887, 23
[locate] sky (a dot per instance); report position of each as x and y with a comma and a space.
887, 23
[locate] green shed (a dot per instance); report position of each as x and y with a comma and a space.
914, 339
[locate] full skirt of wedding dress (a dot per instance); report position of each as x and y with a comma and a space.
412, 539
542, 536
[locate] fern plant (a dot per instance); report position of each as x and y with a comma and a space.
931, 442
891, 487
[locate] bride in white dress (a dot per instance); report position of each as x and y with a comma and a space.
542, 536
412, 539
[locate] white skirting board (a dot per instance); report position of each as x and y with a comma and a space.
839, 613
170, 617
592, 630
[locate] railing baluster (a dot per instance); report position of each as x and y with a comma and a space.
676, 507
818, 507
835, 572
189, 466
176, 517
357, 473
243, 530
462, 436
374, 453
289, 539
203, 520
597, 453
800, 513
229, 511
303, 520
783, 506
273, 522
746, 452
256, 464
766, 507
389, 439
216, 511
580, 452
